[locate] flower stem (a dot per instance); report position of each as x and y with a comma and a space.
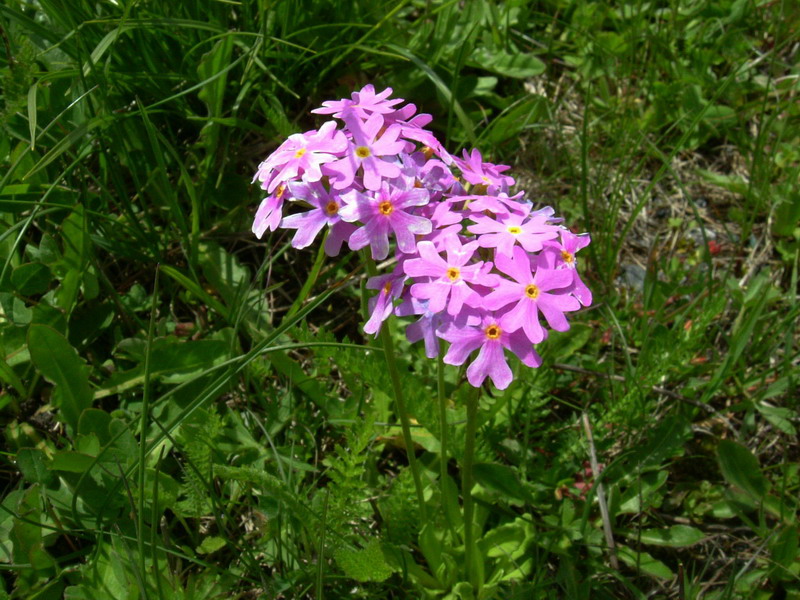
443, 477
400, 404
466, 487
405, 422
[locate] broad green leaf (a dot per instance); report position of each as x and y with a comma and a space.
211, 544
508, 540
71, 461
644, 562
784, 548
31, 278
502, 479
60, 364
32, 464
741, 469
677, 536
518, 65
95, 421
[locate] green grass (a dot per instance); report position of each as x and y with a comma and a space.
177, 425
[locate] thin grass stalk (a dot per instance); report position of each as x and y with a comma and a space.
143, 422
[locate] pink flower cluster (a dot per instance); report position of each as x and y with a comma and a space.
477, 267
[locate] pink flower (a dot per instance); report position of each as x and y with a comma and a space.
303, 153
382, 212
491, 362
366, 150
562, 256
364, 103
449, 279
390, 287
477, 172
269, 213
530, 293
325, 211
505, 231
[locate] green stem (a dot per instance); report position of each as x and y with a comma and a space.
405, 422
143, 423
443, 434
399, 400
466, 487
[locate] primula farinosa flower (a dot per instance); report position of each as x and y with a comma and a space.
477, 265
529, 293
562, 256
364, 103
303, 153
492, 339
383, 212
370, 143
381, 305
477, 172
268, 215
324, 211
448, 286
529, 230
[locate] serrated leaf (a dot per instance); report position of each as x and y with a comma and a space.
60, 364
741, 469
366, 564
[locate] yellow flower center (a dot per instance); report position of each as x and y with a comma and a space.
427, 151
362, 152
513, 229
300, 152
568, 258
386, 208
387, 287
532, 292
492, 332
331, 208
453, 273
280, 190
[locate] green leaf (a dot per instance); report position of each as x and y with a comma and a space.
784, 549
502, 479
779, 417
677, 536
518, 65
60, 364
644, 562
72, 462
211, 544
32, 464
31, 278
214, 75
741, 469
